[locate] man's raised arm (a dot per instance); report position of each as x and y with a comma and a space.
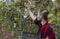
31, 14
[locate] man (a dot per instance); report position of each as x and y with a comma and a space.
45, 30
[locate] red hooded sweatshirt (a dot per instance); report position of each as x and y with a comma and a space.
46, 30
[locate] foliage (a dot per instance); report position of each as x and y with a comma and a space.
13, 13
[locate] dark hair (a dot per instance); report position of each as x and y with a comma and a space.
45, 14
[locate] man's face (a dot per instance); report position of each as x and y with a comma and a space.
40, 15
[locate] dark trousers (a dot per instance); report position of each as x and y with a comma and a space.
39, 36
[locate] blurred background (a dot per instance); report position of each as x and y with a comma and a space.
14, 18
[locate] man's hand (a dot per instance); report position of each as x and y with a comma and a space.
27, 4
29, 11
47, 38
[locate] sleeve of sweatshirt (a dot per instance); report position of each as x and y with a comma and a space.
37, 22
